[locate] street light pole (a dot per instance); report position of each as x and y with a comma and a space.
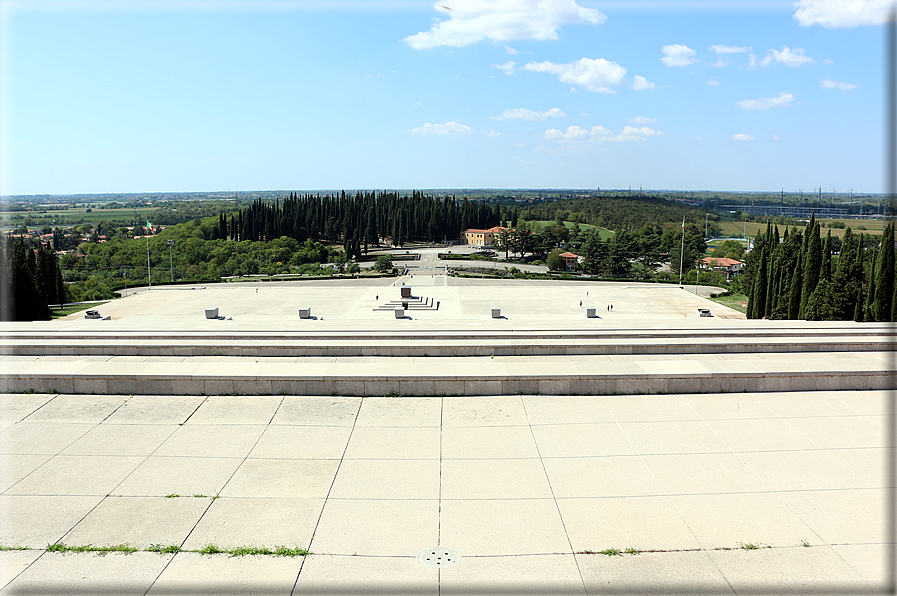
170, 243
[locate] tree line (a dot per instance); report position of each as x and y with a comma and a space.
805, 276
359, 220
29, 281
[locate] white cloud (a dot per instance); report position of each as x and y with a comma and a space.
786, 56
642, 120
524, 114
600, 134
714, 83
418, 103
471, 21
507, 67
640, 83
449, 128
631, 133
742, 137
593, 74
511, 51
841, 13
719, 63
775, 137
765, 103
678, 55
721, 49
837, 85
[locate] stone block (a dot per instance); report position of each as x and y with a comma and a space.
121, 386
715, 384
187, 387
319, 388
305, 312
554, 386
218, 387
406, 291
774, 383
252, 386
157, 387
490, 387
801, 382
288, 387
212, 313
520, 387
448, 387
348, 387
399, 312
419, 388
496, 312
642, 385
685, 385
591, 312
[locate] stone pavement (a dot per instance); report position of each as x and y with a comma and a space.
756, 465
528, 491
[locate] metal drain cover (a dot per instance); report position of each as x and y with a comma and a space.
438, 556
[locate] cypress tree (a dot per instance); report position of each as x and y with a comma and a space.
812, 265
757, 306
884, 277
870, 293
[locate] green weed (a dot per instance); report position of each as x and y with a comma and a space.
210, 549
611, 552
242, 551
164, 550
283, 551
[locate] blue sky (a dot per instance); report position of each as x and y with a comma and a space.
157, 96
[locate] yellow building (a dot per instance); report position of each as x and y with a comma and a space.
481, 237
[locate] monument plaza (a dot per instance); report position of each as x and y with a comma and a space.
441, 435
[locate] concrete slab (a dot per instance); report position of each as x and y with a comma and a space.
380, 528
283, 478
227, 410
50, 438
223, 574
271, 523
488, 442
317, 410
367, 575
156, 409
652, 573
121, 439
89, 574
494, 479
14, 562
199, 440
160, 476
649, 522
381, 442
302, 442
387, 479
526, 574
138, 521
618, 476
35, 521
582, 440
18, 466
502, 527
77, 475
78, 408
14, 408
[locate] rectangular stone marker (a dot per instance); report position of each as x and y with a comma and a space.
406, 292
496, 313
212, 313
92, 314
705, 312
305, 313
400, 312
590, 312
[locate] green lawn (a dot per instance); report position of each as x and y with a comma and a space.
67, 310
735, 301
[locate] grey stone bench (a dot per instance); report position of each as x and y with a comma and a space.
590, 312
212, 313
305, 313
496, 313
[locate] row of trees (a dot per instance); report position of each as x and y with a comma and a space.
359, 220
29, 281
806, 276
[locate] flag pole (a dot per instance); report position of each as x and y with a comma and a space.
681, 254
149, 271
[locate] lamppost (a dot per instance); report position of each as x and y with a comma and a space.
706, 215
170, 243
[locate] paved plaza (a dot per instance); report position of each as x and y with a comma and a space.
774, 483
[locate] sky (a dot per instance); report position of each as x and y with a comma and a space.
138, 96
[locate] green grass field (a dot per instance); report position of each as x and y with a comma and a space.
75, 216
605, 233
873, 226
